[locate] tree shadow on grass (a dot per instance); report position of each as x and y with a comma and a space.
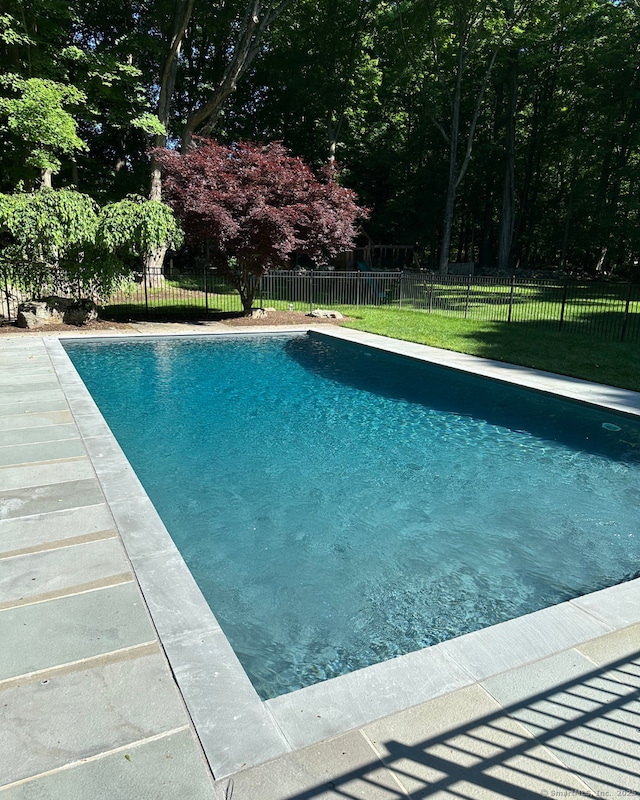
570, 351
167, 313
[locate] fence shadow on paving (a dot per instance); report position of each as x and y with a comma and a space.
606, 310
575, 738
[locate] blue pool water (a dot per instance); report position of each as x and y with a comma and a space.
340, 506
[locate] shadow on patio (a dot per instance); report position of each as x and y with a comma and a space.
577, 737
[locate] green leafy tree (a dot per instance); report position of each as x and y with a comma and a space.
39, 121
317, 81
134, 228
60, 240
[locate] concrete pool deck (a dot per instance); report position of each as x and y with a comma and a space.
117, 682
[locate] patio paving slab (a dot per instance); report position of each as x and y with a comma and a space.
462, 745
54, 497
118, 478
62, 631
88, 709
26, 436
15, 384
174, 598
55, 529
142, 530
46, 402
528, 638
38, 419
617, 606
33, 577
587, 717
34, 364
32, 476
349, 701
31, 453
168, 767
345, 767
621, 644
233, 724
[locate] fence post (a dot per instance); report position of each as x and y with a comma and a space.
466, 305
206, 289
146, 298
357, 291
7, 298
513, 287
626, 313
310, 292
431, 294
401, 287
564, 303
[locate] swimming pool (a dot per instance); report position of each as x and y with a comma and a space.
398, 485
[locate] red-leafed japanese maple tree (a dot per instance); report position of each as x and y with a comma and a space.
256, 205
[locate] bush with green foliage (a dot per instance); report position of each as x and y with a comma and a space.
61, 241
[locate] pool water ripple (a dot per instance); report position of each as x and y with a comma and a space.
339, 507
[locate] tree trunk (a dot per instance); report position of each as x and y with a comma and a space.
247, 285
450, 199
182, 16
456, 175
508, 188
154, 260
447, 227
258, 16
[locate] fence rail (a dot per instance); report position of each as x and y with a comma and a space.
607, 310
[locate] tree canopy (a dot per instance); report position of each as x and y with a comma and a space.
63, 240
255, 205
504, 133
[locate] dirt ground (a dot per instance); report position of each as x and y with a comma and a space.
272, 318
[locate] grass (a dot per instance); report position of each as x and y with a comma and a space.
528, 344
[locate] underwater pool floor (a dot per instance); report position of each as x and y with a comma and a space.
490, 711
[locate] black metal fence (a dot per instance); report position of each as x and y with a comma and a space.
607, 310
192, 294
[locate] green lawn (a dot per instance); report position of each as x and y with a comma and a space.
525, 343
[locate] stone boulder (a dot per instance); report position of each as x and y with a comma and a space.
80, 312
322, 313
53, 310
38, 313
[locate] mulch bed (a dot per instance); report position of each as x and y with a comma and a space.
233, 321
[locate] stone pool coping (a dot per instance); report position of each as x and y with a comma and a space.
236, 728
239, 731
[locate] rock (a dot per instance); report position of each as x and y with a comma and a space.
51, 310
81, 312
325, 314
258, 313
57, 305
35, 314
